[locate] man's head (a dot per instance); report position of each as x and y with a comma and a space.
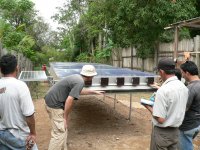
88, 71
189, 69
166, 67
166, 64
8, 64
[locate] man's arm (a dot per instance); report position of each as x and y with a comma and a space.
67, 110
87, 92
191, 94
159, 119
149, 108
31, 139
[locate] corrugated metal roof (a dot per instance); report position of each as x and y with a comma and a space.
191, 23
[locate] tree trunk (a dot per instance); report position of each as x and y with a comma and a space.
92, 47
100, 41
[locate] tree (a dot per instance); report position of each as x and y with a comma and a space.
41, 33
17, 12
126, 22
17, 15
141, 23
21, 30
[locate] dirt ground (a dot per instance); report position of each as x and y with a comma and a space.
96, 125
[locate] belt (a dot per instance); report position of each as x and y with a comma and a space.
168, 127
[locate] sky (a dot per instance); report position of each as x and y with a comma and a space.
47, 8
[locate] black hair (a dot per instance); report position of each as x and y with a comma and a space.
178, 73
169, 71
8, 64
191, 67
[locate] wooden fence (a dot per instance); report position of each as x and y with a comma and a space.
126, 57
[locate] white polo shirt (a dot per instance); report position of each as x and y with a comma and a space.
15, 105
170, 103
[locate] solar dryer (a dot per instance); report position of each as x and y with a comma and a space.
108, 78
33, 76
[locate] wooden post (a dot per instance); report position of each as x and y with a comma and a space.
131, 56
122, 62
176, 43
142, 64
1, 49
197, 49
156, 54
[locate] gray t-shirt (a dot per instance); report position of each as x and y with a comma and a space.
69, 86
192, 114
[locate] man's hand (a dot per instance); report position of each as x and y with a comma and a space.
66, 122
155, 85
30, 141
150, 108
88, 92
67, 110
99, 92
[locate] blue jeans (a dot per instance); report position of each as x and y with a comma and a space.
10, 142
186, 137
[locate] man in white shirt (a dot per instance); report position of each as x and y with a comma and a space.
17, 123
169, 108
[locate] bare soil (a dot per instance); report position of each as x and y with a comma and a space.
96, 125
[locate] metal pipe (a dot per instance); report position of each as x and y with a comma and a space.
130, 109
115, 100
104, 96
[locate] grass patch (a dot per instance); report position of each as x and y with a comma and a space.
38, 89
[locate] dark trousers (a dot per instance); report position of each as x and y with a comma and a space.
164, 138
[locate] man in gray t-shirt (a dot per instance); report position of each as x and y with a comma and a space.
191, 123
59, 100
69, 86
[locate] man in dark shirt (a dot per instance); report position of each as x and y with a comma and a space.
191, 123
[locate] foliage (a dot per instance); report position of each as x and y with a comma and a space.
83, 57
53, 54
91, 29
27, 42
12, 39
100, 56
4, 28
16, 39
25, 46
126, 22
104, 55
16, 16
141, 23
21, 30
17, 12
